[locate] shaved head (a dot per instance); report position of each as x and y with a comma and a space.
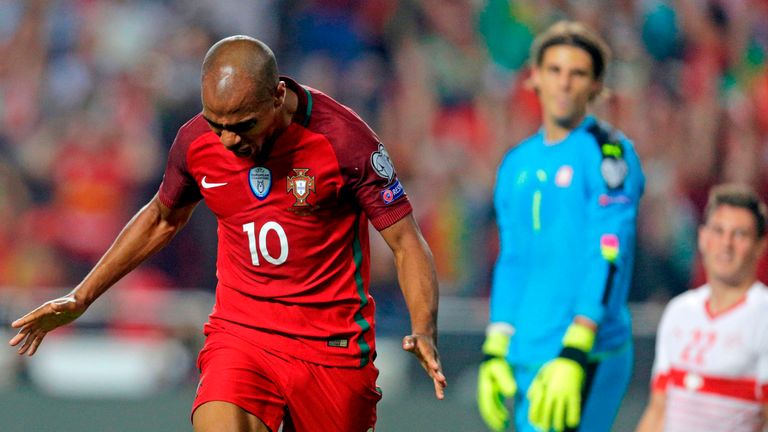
239, 67
244, 101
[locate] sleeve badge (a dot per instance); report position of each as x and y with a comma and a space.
382, 164
614, 171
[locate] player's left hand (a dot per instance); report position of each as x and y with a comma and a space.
555, 395
424, 348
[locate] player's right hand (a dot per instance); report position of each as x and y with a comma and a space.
495, 384
425, 349
36, 324
555, 394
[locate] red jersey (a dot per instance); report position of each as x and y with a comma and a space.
293, 256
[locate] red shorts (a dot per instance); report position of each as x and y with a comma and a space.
278, 388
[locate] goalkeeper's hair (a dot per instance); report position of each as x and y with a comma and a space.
741, 196
576, 34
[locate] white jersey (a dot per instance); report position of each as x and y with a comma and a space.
713, 367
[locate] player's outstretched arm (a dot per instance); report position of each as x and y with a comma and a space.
146, 233
418, 281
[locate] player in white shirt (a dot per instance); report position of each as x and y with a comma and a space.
711, 368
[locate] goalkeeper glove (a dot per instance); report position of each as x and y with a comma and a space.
495, 381
555, 394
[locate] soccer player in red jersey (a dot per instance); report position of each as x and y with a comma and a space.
293, 178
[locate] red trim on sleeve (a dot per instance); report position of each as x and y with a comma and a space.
161, 194
659, 382
388, 219
763, 393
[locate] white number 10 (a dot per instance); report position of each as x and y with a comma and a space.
250, 229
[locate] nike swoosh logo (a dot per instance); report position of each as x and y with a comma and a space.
210, 185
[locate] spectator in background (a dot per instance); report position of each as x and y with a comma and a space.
24, 236
566, 199
711, 366
438, 104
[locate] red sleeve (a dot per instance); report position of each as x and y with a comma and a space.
179, 188
378, 190
364, 162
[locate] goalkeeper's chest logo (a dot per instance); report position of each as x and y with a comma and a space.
300, 185
564, 176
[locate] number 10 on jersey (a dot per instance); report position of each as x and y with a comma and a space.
250, 229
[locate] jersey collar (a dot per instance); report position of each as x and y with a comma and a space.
588, 121
714, 315
304, 107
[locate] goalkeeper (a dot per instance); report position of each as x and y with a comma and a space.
559, 339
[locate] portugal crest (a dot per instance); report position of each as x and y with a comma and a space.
260, 180
301, 185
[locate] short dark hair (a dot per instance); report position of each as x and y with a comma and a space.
741, 196
576, 34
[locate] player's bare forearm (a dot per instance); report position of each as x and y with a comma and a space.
418, 281
765, 417
147, 232
653, 417
416, 274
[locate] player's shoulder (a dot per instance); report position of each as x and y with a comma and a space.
691, 299
322, 114
353, 143
757, 304
528, 143
190, 131
522, 150
602, 131
194, 127
758, 295
612, 155
608, 140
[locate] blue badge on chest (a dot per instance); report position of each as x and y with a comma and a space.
260, 180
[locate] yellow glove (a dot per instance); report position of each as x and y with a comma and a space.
555, 394
495, 380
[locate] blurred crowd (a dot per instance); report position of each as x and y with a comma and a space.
92, 93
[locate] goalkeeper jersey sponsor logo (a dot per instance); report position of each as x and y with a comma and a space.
564, 176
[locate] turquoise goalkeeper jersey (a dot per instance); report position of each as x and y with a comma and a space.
566, 213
